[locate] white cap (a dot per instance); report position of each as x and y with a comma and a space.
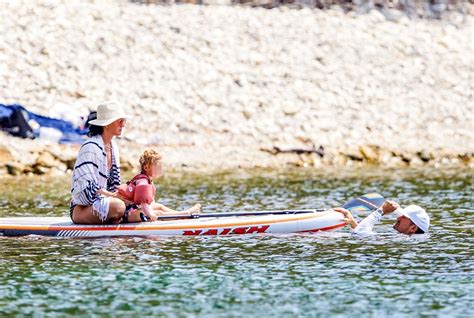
417, 215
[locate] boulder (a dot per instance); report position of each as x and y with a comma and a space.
370, 153
14, 168
5, 155
46, 159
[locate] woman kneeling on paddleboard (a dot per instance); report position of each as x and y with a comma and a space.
96, 173
140, 192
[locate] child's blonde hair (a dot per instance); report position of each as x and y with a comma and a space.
149, 157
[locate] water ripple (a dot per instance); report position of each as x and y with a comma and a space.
326, 274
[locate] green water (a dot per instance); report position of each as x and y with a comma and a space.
310, 275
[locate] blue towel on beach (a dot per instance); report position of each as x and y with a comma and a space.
69, 133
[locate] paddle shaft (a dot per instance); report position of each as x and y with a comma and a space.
364, 200
218, 215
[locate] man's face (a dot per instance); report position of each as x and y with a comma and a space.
405, 225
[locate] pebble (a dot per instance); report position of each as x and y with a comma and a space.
229, 77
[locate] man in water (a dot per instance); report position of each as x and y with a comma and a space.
412, 220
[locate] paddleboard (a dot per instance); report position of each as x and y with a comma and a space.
308, 221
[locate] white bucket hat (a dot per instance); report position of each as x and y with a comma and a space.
107, 113
418, 216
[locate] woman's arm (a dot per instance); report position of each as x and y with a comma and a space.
107, 193
87, 178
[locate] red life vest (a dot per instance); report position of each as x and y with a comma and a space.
138, 193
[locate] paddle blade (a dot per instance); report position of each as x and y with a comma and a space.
367, 202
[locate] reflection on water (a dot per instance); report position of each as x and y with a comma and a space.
267, 275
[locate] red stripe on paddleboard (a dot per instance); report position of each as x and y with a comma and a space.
324, 228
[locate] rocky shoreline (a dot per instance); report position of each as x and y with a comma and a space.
33, 157
217, 87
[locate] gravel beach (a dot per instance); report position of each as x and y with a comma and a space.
221, 87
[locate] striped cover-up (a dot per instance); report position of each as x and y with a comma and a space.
91, 173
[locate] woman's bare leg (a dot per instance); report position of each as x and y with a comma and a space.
116, 211
82, 214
